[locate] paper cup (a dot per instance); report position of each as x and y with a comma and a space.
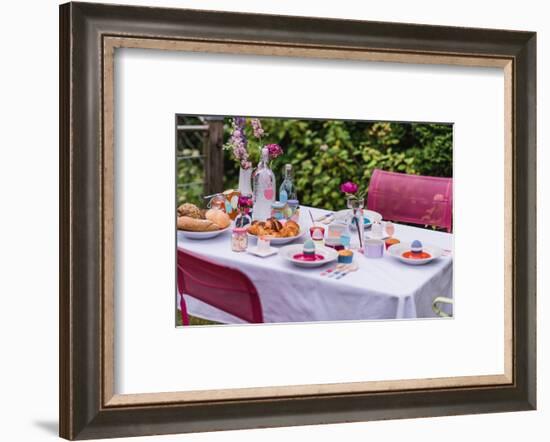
374, 248
263, 244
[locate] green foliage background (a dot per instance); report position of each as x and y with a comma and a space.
326, 153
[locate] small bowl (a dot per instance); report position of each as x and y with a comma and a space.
397, 251
279, 241
202, 235
288, 253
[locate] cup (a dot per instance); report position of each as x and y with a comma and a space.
389, 228
374, 248
335, 230
263, 244
376, 231
317, 232
345, 240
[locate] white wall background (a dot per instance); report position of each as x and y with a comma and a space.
28, 217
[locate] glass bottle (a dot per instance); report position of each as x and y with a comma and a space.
263, 182
287, 190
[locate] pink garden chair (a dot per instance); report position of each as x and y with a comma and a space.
222, 287
412, 199
183, 306
183, 312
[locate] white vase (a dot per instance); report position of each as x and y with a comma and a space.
245, 181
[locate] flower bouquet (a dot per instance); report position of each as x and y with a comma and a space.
247, 140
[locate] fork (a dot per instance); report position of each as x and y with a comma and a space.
351, 268
325, 219
333, 269
342, 270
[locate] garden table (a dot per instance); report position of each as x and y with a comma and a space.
382, 288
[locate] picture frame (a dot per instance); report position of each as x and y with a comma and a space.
89, 34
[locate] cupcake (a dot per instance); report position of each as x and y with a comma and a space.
345, 256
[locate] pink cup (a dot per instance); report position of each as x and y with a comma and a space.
317, 233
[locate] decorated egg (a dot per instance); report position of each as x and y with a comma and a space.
309, 247
416, 246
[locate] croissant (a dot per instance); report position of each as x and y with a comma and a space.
289, 231
196, 225
255, 227
293, 225
190, 210
274, 224
264, 231
274, 228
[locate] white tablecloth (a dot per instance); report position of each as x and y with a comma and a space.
380, 289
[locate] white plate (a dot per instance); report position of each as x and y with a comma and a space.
370, 214
397, 251
264, 254
288, 253
285, 240
202, 235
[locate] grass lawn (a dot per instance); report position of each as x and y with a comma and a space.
193, 320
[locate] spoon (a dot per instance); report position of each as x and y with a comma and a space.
343, 269
350, 269
333, 269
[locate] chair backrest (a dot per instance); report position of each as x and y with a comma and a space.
183, 305
438, 302
413, 199
223, 287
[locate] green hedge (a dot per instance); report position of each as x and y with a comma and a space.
324, 154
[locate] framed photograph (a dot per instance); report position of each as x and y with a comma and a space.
271, 221
294, 216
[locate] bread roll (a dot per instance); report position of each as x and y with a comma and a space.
196, 225
218, 217
189, 210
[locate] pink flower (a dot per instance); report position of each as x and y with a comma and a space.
349, 187
238, 142
246, 164
274, 150
239, 121
245, 201
257, 127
